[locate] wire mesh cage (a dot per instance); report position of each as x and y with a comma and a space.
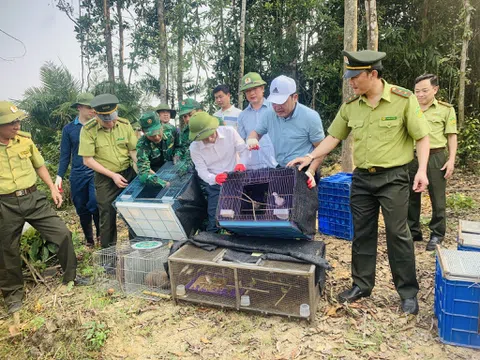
267, 202
110, 264
269, 287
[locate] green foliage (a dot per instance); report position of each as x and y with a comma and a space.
96, 334
458, 202
469, 144
36, 249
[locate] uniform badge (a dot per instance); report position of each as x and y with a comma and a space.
149, 121
248, 80
13, 109
346, 60
183, 102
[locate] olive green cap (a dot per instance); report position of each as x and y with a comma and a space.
165, 107
202, 125
105, 106
150, 123
358, 61
83, 99
9, 113
187, 105
251, 80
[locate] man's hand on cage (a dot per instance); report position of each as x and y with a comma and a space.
253, 144
221, 178
311, 180
239, 167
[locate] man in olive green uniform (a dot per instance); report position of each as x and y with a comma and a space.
384, 120
153, 149
20, 201
107, 144
443, 123
165, 114
187, 108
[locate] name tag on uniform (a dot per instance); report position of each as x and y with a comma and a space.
389, 118
121, 139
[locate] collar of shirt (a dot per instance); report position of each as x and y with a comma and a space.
264, 104
386, 94
77, 121
434, 103
292, 115
202, 145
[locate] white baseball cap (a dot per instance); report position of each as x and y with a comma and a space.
281, 88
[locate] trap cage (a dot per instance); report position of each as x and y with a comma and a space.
268, 203
268, 286
172, 212
134, 269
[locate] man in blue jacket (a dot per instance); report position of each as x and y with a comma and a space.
81, 176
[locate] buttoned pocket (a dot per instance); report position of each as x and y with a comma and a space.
388, 129
25, 161
357, 126
122, 143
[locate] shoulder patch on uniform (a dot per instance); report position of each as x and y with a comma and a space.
24, 134
401, 91
91, 124
351, 99
445, 103
123, 121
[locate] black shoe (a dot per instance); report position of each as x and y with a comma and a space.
418, 237
352, 294
434, 240
410, 306
80, 281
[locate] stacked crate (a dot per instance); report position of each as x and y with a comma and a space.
334, 214
457, 297
468, 235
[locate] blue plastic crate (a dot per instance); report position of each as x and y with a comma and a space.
457, 297
334, 213
468, 241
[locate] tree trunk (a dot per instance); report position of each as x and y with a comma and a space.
107, 31
372, 25
162, 57
121, 49
180, 52
425, 28
467, 34
242, 52
349, 44
82, 48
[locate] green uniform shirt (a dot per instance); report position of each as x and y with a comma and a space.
442, 120
148, 151
109, 148
183, 150
18, 161
382, 136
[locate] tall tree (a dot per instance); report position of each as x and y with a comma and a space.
467, 34
372, 24
107, 32
162, 53
349, 44
242, 51
121, 45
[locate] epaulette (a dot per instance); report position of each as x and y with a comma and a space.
24, 134
91, 124
401, 91
445, 103
123, 121
351, 99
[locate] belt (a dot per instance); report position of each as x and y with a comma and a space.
376, 169
19, 193
437, 150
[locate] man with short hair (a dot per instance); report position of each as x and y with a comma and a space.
253, 87
293, 128
82, 185
165, 114
214, 150
384, 121
187, 108
443, 124
20, 201
228, 114
107, 144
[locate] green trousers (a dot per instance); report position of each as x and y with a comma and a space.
107, 192
388, 190
436, 189
35, 209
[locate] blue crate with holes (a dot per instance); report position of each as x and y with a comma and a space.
334, 213
468, 236
457, 297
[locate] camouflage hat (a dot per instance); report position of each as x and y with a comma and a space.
150, 123
105, 106
83, 99
251, 80
188, 105
358, 61
9, 113
165, 107
202, 125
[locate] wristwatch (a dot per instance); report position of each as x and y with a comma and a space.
310, 156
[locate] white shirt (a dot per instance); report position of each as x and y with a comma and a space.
221, 156
229, 116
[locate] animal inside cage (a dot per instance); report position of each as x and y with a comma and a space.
110, 264
269, 287
172, 212
268, 202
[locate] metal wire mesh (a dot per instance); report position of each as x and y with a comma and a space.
110, 262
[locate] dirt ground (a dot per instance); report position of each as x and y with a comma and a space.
55, 323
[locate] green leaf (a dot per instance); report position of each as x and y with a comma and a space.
45, 254
53, 248
33, 252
